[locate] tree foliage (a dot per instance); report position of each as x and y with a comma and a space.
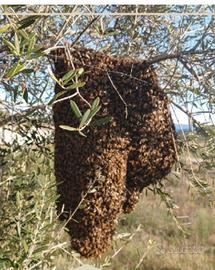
180, 46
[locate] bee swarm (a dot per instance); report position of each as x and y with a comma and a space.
102, 175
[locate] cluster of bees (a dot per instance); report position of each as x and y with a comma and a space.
102, 175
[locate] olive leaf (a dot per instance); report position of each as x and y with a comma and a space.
68, 76
75, 85
57, 96
4, 28
16, 68
26, 22
94, 111
17, 46
31, 44
85, 118
68, 128
95, 103
53, 77
102, 121
75, 109
10, 46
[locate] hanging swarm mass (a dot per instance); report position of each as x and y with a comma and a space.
103, 174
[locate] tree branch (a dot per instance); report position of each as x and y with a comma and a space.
178, 55
89, 24
196, 123
18, 116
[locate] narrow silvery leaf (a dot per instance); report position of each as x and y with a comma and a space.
68, 128
68, 76
75, 109
57, 96
94, 111
31, 44
95, 103
9, 45
75, 85
17, 47
4, 28
53, 76
16, 68
85, 118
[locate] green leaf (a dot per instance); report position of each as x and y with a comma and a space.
102, 121
94, 111
84, 118
68, 128
75, 109
18, 200
57, 96
95, 103
68, 76
16, 68
25, 95
93, 190
79, 71
25, 246
26, 22
75, 85
17, 47
31, 45
28, 70
24, 34
9, 45
82, 134
53, 77
4, 28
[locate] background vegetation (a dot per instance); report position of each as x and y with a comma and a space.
172, 227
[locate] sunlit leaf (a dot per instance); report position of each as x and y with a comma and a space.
57, 96
4, 28
75, 109
9, 45
25, 246
85, 118
68, 76
68, 128
53, 76
31, 45
81, 133
16, 68
94, 111
95, 103
24, 34
17, 46
79, 71
76, 85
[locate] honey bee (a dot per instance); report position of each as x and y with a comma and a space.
102, 175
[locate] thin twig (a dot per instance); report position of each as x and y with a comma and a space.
189, 115
20, 115
89, 24
163, 57
65, 98
79, 204
126, 106
69, 57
